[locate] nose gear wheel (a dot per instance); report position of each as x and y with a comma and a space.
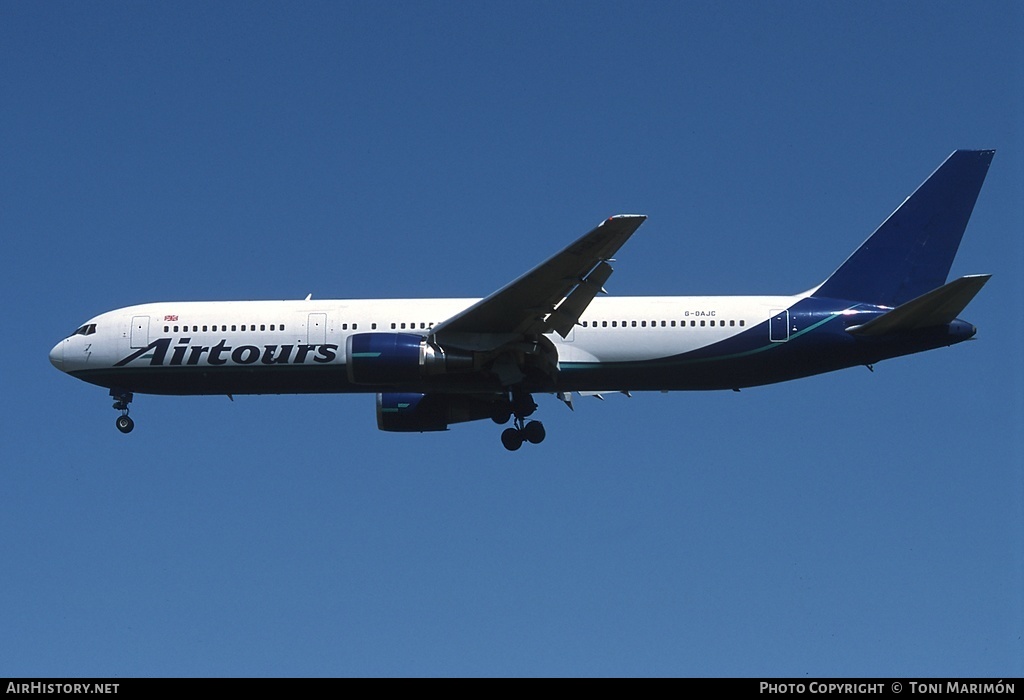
121, 401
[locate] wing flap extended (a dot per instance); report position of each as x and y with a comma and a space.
936, 308
567, 281
568, 313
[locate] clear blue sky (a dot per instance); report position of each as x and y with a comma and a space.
849, 524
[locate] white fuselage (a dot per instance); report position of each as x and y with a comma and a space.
255, 334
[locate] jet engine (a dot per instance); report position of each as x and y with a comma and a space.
395, 358
410, 412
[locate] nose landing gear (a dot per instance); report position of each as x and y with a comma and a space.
121, 400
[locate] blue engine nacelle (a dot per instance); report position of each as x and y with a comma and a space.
396, 358
403, 413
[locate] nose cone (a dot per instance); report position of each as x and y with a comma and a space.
57, 356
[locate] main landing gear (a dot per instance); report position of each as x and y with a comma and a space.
121, 401
513, 438
522, 406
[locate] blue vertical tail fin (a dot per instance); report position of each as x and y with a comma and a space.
911, 252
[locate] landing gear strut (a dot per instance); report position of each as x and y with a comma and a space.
121, 401
533, 432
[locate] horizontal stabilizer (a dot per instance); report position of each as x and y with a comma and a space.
936, 308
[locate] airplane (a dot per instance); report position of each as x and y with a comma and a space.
436, 362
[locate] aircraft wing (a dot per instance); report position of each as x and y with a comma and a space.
551, 296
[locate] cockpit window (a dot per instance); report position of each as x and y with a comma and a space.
87, 329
